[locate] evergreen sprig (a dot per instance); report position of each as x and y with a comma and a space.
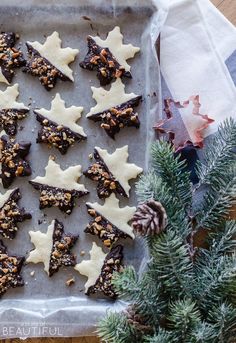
220, 153
187, 294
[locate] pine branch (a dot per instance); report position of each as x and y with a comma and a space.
114, 328
150, 299
184, 318
223, 241
220, 153
151, 186
171, 263
223, 317
218, 201
204, 333
173, 172
162, 336
215, 278
144, 293
180, 297
126, 283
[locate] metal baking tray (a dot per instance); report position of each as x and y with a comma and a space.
46, 306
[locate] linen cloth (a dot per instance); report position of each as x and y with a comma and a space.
198, 57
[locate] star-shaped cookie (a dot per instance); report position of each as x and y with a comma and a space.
49, 61
10, 110
10, 57
13, 161
59, 127
59, 187
109, 57
110, 222
52, 248
10, 268
100, 269
115, 108
10, 213
112, 171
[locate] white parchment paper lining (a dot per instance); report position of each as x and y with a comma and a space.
47, 307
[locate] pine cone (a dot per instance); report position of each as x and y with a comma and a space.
136, 319
150, 218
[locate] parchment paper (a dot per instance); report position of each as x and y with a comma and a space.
46, 306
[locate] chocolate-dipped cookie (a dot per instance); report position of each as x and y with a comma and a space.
10, 57
49, 62
12, 159
10, 213
108, 57
10, 110
10, 268
100, 269
115, 108
112, 172
110, 222
53, 248
59, 187
59, 127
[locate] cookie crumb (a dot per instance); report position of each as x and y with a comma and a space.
70, 282
52, 157
82, 253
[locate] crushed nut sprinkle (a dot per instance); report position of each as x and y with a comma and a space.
9, 118
57, 197
11, 214
102, 60
118, 117
101, 227
107, 184
56, 135
10, 267
62, 244
70, 282
13, 160
43, 69
112, 264
10, 57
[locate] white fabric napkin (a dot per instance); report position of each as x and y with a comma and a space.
198, 57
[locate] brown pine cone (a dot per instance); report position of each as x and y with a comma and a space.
136, 319
150, 218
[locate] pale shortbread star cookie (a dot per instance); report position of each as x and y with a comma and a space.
114, 42
59, 125
112, 171
59, 187
49, 61
10, 110
59, 57
92, 268
52, 248
65, 179
107, 99
100, 269
109, 57
111, 221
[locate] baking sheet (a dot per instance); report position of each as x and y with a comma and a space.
46, 306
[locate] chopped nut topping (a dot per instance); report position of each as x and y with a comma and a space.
62, 244
13, 160
70, 281
58, 136
112, 264
106, 181
43, 69
102, 60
